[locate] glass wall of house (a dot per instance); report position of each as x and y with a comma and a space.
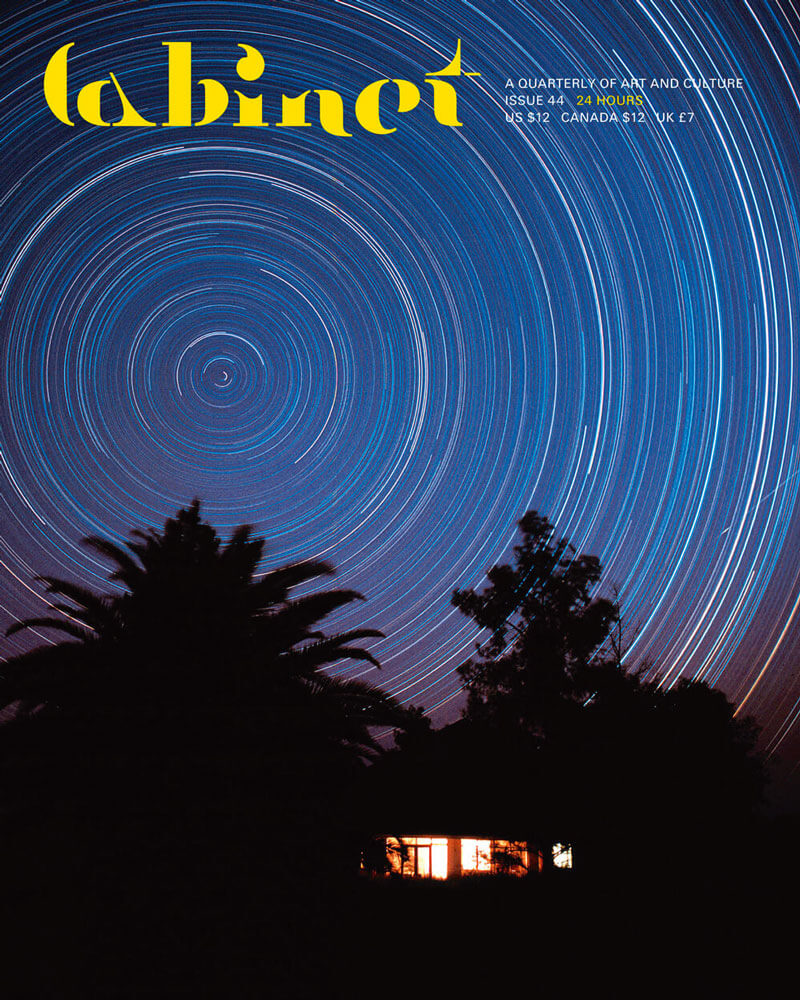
511, 857
440, 857
417, 857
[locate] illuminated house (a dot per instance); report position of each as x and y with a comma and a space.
442, 798
453, 857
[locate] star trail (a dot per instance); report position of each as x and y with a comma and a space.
382, 350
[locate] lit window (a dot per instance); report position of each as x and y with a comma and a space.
510, 857
562, 856
423, 857
439, 857
476, 855
396, 856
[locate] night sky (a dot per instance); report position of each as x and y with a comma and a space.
383, 349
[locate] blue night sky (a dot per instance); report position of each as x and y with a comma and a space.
383, 349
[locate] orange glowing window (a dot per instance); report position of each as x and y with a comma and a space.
476, 855
423, 857
510, 857
439, 857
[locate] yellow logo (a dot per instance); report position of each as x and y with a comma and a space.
367, 106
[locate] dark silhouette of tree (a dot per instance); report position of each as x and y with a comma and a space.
194, 631
666, 779
184, 742
544, 628
635, 772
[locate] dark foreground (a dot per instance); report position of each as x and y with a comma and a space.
86, 935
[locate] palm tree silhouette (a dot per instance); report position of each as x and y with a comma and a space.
193, 631
184, 744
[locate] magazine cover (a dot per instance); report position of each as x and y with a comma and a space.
399, 476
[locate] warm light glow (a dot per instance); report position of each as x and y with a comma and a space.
510, 857
439, 858
562, 856
476, 855
423, 857
427, 857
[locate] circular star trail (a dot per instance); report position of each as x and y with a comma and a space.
384, 349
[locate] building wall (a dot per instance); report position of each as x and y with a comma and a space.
438, 857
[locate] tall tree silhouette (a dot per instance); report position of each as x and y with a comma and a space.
659, 777
179, 770
543, 626
184, 738
193, 629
